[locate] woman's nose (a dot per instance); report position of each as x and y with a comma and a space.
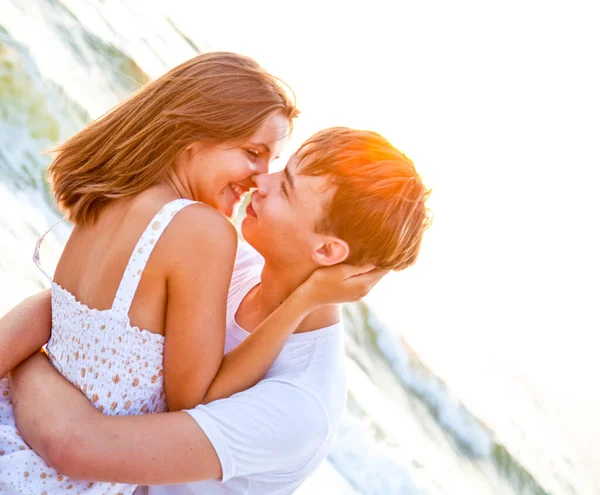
260, 166
262, 184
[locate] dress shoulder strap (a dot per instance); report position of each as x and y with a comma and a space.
141, 253
38, 245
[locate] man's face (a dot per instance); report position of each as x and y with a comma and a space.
283, 213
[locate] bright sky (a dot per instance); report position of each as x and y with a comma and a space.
498, 104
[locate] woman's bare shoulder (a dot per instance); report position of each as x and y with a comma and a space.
200, 234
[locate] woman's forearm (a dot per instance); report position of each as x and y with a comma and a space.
24, 329
245, 365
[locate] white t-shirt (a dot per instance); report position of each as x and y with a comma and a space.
271, 437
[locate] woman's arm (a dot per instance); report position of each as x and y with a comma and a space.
201, 252
24, 329
197, 288
245, 365
60, 424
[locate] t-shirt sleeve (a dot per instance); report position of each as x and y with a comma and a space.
248, 264
274, 426
247, 257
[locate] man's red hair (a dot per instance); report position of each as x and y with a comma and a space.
378, 207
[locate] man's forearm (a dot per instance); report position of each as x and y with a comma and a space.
24, 329
35, 386
69, 434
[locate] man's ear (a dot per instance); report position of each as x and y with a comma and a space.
331, 251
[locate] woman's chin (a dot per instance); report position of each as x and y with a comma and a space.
228, 208
231, 205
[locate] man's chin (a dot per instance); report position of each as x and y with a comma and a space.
248, 235
244, 229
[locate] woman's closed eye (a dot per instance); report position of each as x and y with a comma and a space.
253, 154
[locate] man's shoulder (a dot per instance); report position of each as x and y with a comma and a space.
319, 383
275, 400
275, 425
282, 427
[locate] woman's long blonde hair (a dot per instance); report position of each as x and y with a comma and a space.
214, 97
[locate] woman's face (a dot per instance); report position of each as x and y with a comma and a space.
221, 175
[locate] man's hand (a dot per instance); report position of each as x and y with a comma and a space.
24, 329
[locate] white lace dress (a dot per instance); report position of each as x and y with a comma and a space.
118, 367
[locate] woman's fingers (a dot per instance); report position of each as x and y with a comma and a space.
355, 271
365, 281
342, 283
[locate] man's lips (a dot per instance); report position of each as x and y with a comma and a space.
250, 211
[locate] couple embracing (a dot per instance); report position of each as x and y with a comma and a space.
179, 359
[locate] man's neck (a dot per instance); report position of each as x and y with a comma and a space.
275, 286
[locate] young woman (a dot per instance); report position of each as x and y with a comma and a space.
139, 295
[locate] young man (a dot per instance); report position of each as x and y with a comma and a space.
345, 196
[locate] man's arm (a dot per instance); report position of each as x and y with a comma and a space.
74, 438
24, 329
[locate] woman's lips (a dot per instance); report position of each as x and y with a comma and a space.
238, 191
